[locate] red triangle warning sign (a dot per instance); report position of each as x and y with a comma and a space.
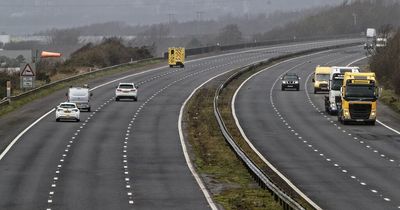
27, 71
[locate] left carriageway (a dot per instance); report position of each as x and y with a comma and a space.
122, 155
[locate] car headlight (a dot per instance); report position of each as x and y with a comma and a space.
296, 82
283, 82
346, 113
333, 105
373, 113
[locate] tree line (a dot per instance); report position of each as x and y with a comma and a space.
386, 64
347, 18
111, 51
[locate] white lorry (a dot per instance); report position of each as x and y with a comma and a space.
370, 42
80, 96
333, 101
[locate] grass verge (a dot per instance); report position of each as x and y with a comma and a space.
229, 182
136, 67
390, 98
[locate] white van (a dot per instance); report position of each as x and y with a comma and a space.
80, 96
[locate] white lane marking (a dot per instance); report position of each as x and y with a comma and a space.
355, 61
388, 127
233, 107
22, 133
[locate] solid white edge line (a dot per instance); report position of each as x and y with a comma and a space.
305, 197
383, 124
22, 133
355, 61
388, 127
151, 70
184, 147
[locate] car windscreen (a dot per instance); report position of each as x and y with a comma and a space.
322, 77
290, 77
360, 91
67, 106
126, 86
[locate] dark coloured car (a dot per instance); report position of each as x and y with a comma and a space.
291, 80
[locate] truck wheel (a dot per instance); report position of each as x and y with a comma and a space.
78, 120
282, 88
315, 91
88, 109
57, 120
116, 99
371, 123
182, 66
297, 89
171, 66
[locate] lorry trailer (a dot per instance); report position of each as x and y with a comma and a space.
333, 100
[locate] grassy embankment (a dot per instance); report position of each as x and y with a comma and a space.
231, 184
226, 177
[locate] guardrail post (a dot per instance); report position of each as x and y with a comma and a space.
8, 87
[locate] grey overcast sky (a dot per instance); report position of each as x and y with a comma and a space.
28, 16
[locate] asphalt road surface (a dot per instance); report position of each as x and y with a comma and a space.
122, 155
337, 166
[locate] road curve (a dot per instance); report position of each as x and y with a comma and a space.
123, 155
338, 167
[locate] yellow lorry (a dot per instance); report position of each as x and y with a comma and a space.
321, 78
176, 57
359, 95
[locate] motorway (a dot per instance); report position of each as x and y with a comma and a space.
122, 155
336, 166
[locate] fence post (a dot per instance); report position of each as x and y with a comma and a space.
8, 88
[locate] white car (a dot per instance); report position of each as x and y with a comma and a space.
67, 111
126, 90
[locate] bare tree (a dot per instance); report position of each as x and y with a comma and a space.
229, 35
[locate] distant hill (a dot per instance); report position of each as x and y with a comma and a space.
249, 25
347, 18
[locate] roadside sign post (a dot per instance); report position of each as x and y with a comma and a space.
27, 76
8, 87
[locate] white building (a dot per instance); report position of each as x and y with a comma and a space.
5, 39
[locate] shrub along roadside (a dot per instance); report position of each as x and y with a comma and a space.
133, 68
391, 99
386, 64
110, 52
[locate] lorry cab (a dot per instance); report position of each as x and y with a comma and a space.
333, 100
80, 96
359, 94
176, 57
381, 42
321, 78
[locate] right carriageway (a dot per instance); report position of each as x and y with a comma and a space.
337, 166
